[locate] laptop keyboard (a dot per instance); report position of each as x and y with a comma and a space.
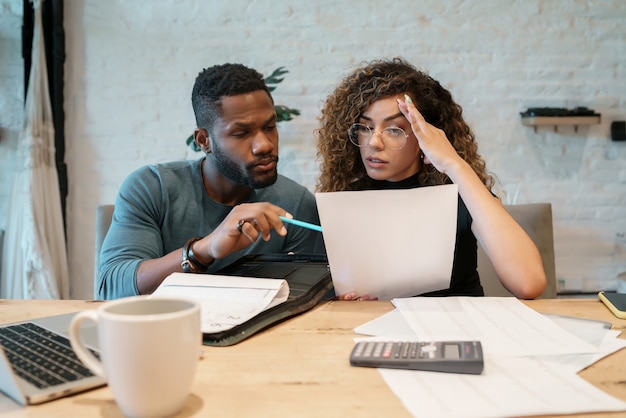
41, 357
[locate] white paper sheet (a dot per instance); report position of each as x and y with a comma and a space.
504, 326
588, 329
390, 325
509, 387
225, 301
574, 363
390, 243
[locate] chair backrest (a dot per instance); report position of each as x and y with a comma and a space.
536, 220
104, 216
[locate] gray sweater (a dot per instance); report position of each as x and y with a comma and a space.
159, 207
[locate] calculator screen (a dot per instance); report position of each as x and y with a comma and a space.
451, 351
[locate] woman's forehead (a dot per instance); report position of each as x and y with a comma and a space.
383, 108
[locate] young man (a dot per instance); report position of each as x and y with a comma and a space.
199, 216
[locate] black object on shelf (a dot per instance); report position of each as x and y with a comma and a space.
538, 116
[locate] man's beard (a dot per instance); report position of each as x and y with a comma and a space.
234, 173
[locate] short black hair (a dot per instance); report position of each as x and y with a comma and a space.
218, 81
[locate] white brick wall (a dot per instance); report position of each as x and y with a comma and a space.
131, 66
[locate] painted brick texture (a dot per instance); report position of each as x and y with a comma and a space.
131, 66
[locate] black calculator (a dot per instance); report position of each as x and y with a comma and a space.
436, 356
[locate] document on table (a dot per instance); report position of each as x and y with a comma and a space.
226, 301
504, 326
393, 326
390, 243
531, 359
508, 387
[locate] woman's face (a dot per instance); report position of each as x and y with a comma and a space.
380, 161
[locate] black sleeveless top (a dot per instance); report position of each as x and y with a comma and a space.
465, 280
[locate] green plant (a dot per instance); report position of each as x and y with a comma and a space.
283, 113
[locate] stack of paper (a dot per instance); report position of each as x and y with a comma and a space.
531, 360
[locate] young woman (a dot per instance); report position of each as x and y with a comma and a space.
390, 126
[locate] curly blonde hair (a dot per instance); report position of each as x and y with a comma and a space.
341, 165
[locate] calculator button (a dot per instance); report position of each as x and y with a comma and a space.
378, 349
405, 350
414, 350
387, 351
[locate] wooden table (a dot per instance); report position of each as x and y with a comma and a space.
298, 368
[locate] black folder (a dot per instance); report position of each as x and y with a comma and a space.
308, 276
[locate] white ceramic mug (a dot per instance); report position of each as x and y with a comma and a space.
149, 348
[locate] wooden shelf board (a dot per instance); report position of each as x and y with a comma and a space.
561, 120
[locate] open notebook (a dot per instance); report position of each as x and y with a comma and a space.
265, 289
226, 301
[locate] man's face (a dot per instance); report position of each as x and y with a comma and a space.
244, 142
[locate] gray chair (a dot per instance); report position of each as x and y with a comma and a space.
536, 220
104, 216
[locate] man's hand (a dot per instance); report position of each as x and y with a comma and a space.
245, 224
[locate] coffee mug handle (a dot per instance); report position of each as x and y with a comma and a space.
81, 351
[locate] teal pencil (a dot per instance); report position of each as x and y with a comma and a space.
301, 223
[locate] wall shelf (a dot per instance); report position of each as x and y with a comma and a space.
561, 120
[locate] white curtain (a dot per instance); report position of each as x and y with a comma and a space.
34, 256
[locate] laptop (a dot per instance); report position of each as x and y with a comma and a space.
37, 363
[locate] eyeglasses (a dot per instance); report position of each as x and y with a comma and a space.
393, 138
